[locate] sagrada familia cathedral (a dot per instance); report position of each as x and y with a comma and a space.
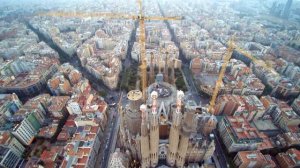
167, 130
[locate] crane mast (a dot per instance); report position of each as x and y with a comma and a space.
220, 77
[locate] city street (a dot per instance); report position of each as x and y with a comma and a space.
105, 140
199, 97
109, 137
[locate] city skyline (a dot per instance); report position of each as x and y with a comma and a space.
130, 84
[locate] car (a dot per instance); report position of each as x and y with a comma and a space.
112, 104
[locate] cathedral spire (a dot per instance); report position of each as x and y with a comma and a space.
154, 131
144, 138
174, 132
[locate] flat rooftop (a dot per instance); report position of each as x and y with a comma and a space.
265, 125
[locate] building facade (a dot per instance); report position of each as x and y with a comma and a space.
27, 129
8, 158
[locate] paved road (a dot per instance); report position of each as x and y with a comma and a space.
199, 97
110, 143
105, 140
113, 130
110, 138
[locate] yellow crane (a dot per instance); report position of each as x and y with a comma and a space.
140, 17
230, 48
219, 81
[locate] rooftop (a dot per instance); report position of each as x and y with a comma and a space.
134, 95
4, 137
57, 103
264, 125
39, 66
241, 128
48, 131
49, 157
291, 115
248, 156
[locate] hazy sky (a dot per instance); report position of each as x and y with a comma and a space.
44, 3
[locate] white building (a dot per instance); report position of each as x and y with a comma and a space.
74, 108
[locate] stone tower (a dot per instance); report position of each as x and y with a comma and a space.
145, 152
188, 126
174, 132
154, 130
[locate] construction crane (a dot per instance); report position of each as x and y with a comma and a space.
219, 81
230, 48
140, 17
